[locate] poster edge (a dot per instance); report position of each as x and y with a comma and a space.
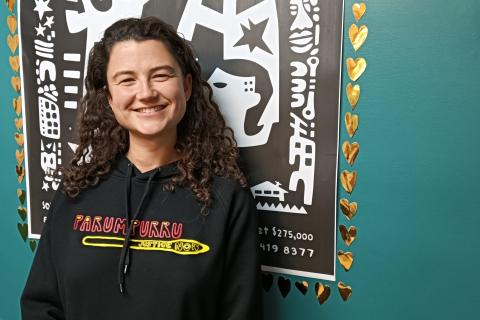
293, 272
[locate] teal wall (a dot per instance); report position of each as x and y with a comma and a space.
15, 254
417, 254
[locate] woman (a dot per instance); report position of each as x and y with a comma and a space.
155, 221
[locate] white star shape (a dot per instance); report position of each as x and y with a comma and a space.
41, 6
49, 22
40, 29
45, 186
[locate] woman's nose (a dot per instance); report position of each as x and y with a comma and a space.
146, 91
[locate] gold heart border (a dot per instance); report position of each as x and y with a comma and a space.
355, 68
12, 41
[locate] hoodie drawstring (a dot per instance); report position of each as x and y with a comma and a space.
125, 253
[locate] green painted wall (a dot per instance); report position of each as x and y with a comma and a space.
416, 255
15, 254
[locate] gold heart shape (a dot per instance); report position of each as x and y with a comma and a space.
348, 235
23, 229
350, 151
11, 4
322, 291
14, 63
348, 209
284, 286
19, 155
15, 82
348, 180
12, 42
351, 122
355, 68
357, 35
20, 173
17, 105
22, 212
353, 94
345, 291
346, 259
19, 124
33, 245
19, 138
302, 286
20, 177
12, 24
21, 194
267, 281
358, 10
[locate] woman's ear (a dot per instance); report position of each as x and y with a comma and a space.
187, 86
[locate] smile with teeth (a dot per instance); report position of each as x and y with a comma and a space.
150, 109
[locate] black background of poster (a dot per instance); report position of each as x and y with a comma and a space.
65, 42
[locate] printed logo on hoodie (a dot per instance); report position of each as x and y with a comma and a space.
151, 235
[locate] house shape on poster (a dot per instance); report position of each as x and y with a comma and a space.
268, 189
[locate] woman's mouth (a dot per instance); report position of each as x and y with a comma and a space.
151, 109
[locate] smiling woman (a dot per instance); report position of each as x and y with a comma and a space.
154, 218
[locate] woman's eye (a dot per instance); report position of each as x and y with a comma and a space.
161, 77
127, 81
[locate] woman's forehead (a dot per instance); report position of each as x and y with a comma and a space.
139, 55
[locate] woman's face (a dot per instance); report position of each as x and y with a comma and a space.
147, 89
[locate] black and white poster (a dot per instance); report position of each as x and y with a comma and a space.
274, 66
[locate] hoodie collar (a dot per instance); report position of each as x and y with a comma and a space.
165, 172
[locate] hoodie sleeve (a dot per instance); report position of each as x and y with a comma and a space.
40, 298
241, 292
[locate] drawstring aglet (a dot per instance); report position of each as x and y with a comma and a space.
125, 269
121, 288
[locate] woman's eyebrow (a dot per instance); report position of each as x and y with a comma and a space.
167, 67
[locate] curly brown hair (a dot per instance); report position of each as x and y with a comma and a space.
207, 146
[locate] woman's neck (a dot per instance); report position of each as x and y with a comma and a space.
148, 155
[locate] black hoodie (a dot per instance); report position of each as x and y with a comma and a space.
180, 264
